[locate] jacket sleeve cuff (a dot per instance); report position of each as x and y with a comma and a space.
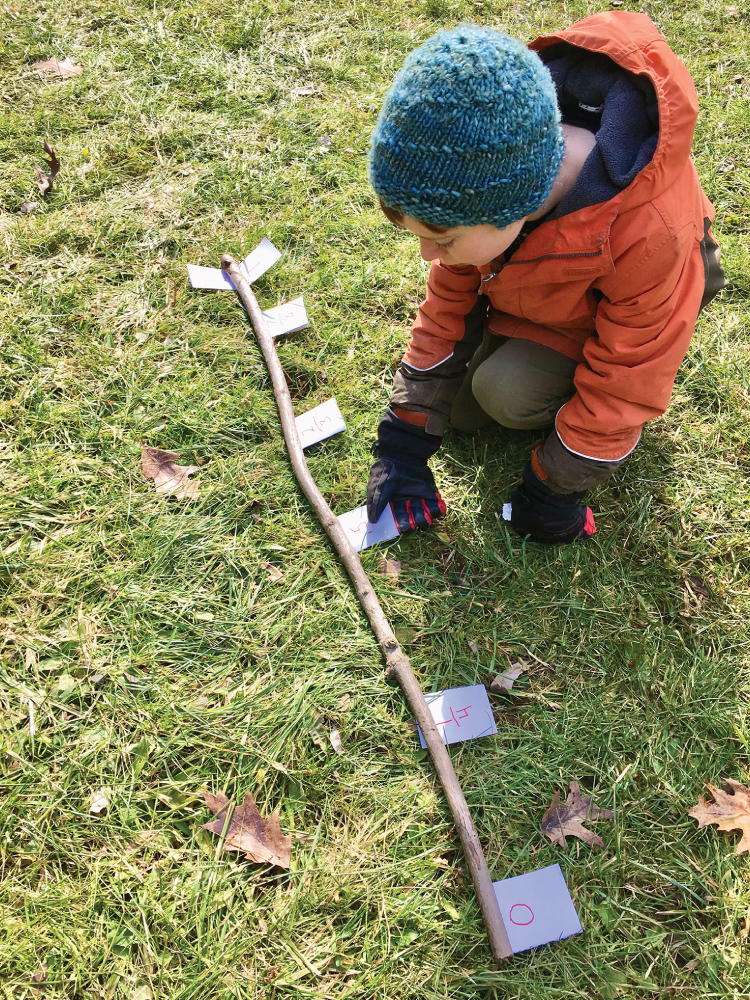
569, 473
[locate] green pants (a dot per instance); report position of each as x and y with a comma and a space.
518, 383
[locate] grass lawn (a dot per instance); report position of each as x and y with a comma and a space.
160, 657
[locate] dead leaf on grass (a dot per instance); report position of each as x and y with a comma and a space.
698, 586
274, 573
390, 568
44, 180
730, 810
100, 801
318, 733
567, 818
40, 975
260, 839
335, 737
169, 478
303, 91
473, 646
503, 682
58, 67
144, 838
27, 207
405, 634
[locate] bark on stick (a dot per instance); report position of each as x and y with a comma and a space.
397, 663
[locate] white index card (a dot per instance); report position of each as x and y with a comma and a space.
253, 266
289, 318
536, 908
209, 277
320, 423
258, 262
462, 713
362, 533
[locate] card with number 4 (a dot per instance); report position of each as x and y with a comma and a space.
462, 713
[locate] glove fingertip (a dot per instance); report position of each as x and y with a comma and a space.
589, 527
395, 519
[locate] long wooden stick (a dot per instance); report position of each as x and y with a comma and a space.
397, 664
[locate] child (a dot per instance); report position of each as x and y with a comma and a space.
553, 190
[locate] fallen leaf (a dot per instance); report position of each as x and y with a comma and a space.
691, 965
40, 975
27, 207
143, 838
335, 737
44, 180
345, 704
58, 67
169, 478
504, 681
303, 91
404, 634
274, 573
390, 568
698, 586
730, 810
567, 818
473, 647
325, 140
318, 735
99, 801
260, 839
30, 658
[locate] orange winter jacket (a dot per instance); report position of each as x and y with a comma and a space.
616, 286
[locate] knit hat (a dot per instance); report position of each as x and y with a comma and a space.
469, 132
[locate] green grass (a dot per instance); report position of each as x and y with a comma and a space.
183, 139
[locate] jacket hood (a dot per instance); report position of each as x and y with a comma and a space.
633, 42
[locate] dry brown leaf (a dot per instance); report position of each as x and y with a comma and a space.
44, 180
390, 568
169, 478
274, 573
40, 975
698, 586
58, 67
27, 207
504, 681
567, 818
730, 810
260, 839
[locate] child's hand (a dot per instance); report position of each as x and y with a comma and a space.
553, 518
410, 491
401, 476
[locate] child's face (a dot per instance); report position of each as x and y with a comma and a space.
463, 244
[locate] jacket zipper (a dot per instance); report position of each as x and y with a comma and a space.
535, 260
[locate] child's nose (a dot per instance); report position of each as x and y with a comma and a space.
430, 250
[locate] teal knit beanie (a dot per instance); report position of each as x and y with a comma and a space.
469, 132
